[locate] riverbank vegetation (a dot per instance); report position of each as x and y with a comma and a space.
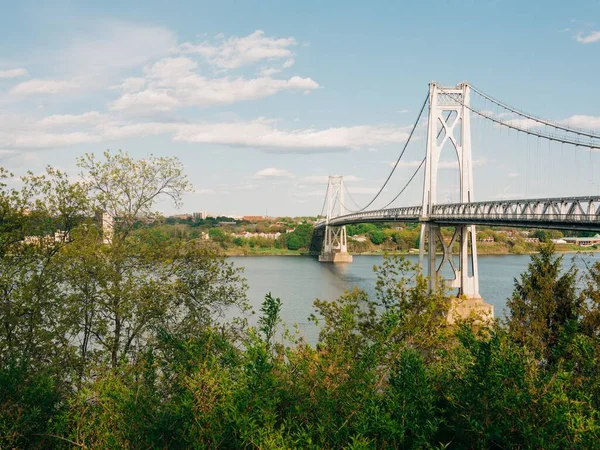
292, 236
143, 343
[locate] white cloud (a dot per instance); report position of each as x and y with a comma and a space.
581, 121
260, 133
173, 83
324, 179
92, 117
311, 193
364, 190
131, 84
21, 132
523, 123
110, 47
268, 71
593, 36
237, 52
405, 164
204, 191
52, 140
272, 172
12, 73
36, 86
486, 112
146, 100
441, 164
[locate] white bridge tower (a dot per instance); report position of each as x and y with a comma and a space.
450, 125
335, 244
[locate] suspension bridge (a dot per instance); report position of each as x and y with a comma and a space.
450, 110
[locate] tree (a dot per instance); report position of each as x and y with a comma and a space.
216, 234
32, 311
300, 237
294, 242
544, 303
128, 189
79, 303
377, 236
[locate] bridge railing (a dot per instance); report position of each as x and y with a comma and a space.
564, 210
543, 212
405, 213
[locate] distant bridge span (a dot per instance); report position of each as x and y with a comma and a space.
569, 213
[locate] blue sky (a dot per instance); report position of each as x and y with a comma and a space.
263, 100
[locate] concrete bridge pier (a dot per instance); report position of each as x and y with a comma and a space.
467, 301
335, 246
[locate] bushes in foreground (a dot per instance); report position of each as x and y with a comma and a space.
126, 345
385, 373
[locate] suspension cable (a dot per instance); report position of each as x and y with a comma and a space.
552, 137
351, 198
579, 131
324, 202
399, 157
406, 185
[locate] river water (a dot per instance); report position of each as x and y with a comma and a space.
298, 281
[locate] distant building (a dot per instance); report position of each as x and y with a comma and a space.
204, 236
532, 240
253, 218
106, 223
202, 215
558, 241
509, 233
583, 241
248, 235
488, 240
59, 236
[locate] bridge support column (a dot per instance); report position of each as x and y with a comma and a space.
335, 243
450, 126
464, 276
335, 246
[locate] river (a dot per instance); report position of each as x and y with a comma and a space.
298, 281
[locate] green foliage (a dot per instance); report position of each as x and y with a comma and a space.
544, 304
127, 188
361, 228
300, 237
127, 346
271, 316
294, 242
216, 234
28, 402
546, 235
376, 236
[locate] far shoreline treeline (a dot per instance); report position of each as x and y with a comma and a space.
282, 236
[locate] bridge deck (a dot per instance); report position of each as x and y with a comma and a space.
572, 213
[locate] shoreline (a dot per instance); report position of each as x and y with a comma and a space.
381, 253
